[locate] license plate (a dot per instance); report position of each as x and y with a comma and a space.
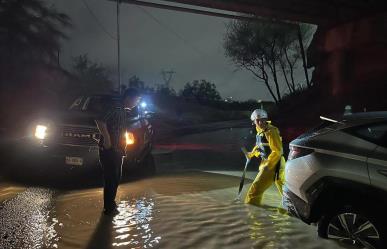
78, 161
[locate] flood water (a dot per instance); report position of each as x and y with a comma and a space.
182, 210
178, 208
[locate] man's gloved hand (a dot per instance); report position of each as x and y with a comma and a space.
253, 153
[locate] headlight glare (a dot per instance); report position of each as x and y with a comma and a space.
40, 131
129, 138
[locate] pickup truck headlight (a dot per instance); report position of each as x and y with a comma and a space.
129, 138
41, 131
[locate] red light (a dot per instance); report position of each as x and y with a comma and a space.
296, 152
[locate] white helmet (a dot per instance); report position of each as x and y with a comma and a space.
258, 114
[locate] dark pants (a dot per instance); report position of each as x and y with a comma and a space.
111, 162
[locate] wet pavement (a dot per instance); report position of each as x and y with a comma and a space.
190, 203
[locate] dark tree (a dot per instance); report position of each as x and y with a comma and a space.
266, 49
135, 82
30, 36
95, 77
201, 91
164, 90
30, 31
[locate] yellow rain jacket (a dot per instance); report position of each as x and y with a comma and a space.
271, 169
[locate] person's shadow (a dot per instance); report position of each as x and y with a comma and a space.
102, 236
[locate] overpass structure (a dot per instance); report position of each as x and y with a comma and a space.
319, 12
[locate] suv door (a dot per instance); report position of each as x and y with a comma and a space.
377, 167
377, 162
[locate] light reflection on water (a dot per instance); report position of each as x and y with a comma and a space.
268, 227
132, 224
25, 221
194, 210
187, 210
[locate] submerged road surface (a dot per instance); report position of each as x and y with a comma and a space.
178, 208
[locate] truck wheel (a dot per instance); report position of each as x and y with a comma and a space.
354, 226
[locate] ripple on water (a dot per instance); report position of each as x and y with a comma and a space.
194, 211
25, 221
202, 221
132, 224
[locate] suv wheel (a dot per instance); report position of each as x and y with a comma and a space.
353, 226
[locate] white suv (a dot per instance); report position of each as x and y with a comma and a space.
336, 176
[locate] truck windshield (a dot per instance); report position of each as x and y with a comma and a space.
77, 104
93, 103
97, 104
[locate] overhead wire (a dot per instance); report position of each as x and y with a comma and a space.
175, 34
102, 27
171, 31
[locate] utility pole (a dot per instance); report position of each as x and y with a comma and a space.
118, 47
167, 76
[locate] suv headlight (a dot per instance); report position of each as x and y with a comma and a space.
41, 132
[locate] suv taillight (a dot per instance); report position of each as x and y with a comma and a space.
296, 152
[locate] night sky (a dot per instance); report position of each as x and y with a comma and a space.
153, 40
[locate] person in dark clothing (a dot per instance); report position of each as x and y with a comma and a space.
111, 124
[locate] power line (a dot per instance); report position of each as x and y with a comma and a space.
118, 47
174, 33
171, 31
167, 76
98, 21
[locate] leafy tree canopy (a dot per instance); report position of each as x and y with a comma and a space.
95, 77
30, 31
201, 90
266, 49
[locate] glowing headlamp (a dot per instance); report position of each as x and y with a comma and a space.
143, 104
41, 131
129, 138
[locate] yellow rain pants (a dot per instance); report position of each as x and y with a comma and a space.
267, 168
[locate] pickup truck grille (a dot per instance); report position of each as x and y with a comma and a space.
78, 135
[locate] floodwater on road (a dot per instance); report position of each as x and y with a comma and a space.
178, 208
181, 210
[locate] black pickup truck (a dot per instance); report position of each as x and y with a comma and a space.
68, 141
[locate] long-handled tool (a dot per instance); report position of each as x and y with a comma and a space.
244, 172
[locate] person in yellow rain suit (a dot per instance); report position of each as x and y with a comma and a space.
269, 148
